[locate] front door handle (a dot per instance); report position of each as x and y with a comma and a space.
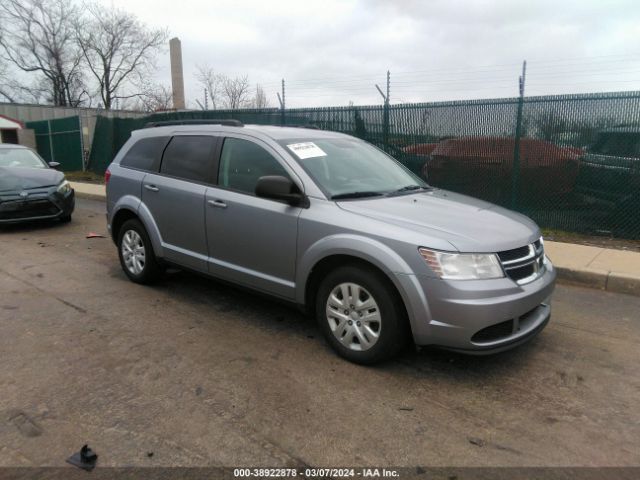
153, 188
217, 203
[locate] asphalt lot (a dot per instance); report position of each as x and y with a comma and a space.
192, 372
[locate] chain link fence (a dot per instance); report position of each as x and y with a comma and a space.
60, 140
570, 162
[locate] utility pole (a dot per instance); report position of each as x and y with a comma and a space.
385, 118
515, 174
206, 99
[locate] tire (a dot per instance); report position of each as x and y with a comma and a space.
65, 218
141, 266
333, 315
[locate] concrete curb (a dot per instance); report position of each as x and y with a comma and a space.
586, 278
616, 282
90, 196
91, 191
610, 281
624, 283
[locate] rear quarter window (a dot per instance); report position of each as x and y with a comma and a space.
145, 154
619, 144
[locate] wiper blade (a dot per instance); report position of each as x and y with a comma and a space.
355, 195
408, 188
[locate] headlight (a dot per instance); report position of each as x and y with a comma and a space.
64, 187
462, 266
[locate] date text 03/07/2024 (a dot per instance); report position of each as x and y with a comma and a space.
316, 472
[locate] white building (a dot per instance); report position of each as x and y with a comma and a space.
9, 129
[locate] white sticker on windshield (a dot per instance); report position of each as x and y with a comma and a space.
306, 150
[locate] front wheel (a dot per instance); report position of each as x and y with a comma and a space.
136, 253
361, 315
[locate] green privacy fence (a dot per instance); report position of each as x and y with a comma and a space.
59, 140
574, 166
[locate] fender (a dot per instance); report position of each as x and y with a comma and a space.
373, 252
130, 202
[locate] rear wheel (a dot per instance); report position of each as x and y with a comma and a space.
136, 253
360, 315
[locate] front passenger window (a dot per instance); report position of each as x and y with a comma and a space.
243, 162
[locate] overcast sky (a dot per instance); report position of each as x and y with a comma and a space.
332, 52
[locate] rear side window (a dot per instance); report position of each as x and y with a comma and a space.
145, 154
243, 162
189, 157
621, 144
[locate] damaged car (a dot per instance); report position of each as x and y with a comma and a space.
32, 189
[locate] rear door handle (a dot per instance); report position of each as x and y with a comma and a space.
217, 203
153, 188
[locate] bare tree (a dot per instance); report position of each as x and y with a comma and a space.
6, 94
548, 124
7, 91
212, 83
14, 89
152, 98
119, 51
37, 36
235, 92
260, 100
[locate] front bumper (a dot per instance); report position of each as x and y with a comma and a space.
480, 316
40, 204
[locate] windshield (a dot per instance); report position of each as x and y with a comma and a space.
20, 157
621, 144
351, 168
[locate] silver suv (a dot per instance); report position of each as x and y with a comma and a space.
334, 225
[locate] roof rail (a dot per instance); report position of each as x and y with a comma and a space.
167, 123
312, 127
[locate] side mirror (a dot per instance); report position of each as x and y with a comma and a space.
277, 187
54, 164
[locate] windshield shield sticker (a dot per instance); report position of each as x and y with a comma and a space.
306, 150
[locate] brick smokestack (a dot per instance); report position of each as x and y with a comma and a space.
177, 77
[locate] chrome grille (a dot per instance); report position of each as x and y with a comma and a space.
523, 264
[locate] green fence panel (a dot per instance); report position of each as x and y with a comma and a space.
60, 140
43, 144
578, 156
110, 134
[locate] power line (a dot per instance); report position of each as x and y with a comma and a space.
545, 64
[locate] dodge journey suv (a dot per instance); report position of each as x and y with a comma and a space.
334, 225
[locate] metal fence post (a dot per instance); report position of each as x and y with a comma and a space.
51, 154
386, 111
81, 128
515, 169
385, 126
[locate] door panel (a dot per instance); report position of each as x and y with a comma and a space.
252, 241
178, 209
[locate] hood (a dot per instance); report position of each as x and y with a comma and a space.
469, 224
20, 178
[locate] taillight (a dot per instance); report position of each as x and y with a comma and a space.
107, 176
